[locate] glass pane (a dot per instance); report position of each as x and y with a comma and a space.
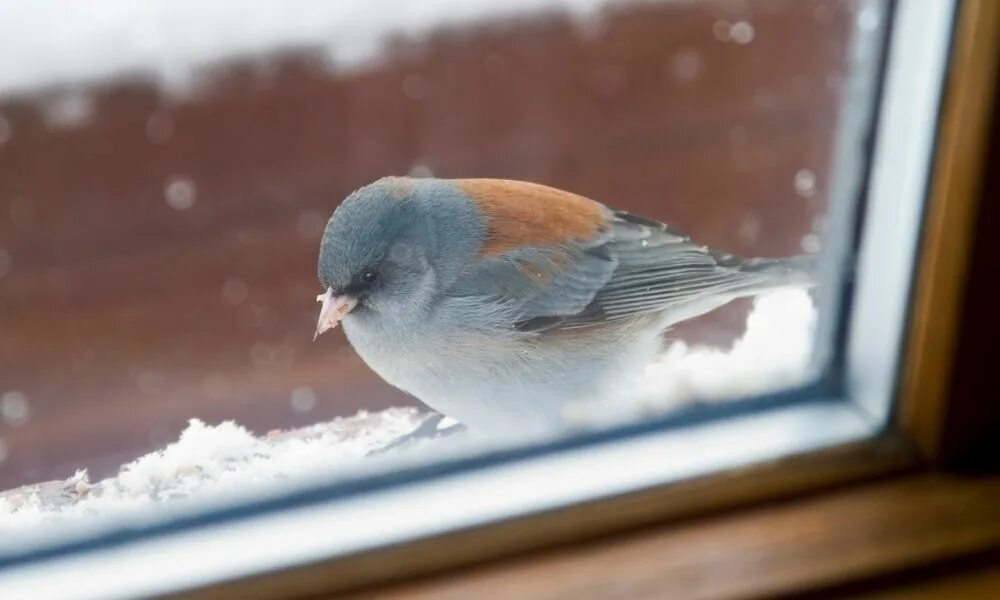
168, 170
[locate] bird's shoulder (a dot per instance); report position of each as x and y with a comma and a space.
521, 214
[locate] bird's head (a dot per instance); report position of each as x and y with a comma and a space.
390, 247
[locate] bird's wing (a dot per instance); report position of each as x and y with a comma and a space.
596, 266
654, 269
541, 255
659, 268
621, 267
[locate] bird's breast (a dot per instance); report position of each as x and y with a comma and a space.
495, 378
413, 356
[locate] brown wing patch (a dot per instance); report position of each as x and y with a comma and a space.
520, 214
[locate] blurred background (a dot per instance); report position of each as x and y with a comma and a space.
166, 171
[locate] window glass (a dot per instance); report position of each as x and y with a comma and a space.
168, 171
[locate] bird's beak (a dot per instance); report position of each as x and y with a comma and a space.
334, 309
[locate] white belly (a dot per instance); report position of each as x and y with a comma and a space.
502, 383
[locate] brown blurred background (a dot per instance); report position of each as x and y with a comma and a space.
157, 258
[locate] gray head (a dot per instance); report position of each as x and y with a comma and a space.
392, 245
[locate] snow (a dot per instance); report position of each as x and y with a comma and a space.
66, 42
773, 353
217, 460
210, 459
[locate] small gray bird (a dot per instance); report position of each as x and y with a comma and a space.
498, 303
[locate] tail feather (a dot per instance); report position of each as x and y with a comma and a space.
792, 270
759, 275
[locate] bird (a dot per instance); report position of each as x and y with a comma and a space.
500, 303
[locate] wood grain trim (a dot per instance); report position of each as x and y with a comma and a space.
822, 470
806, 546
949, 226
980, 583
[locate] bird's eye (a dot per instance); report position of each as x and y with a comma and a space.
369, 276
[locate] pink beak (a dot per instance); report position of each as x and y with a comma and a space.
334, 309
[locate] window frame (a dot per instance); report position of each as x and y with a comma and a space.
227, 550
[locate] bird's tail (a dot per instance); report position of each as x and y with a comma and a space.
759, 275
792, 270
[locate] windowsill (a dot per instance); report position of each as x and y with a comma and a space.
165, 560
862, 540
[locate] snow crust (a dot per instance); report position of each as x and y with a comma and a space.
211, 459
